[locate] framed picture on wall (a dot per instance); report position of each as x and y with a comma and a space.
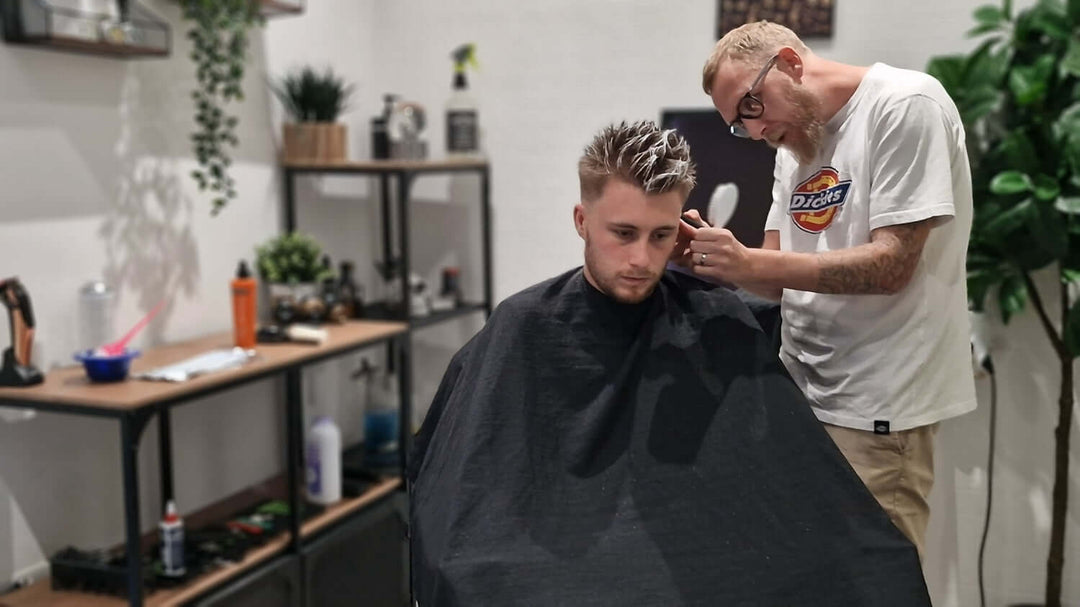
807, 18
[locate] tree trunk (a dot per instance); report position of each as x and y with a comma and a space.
1055, 563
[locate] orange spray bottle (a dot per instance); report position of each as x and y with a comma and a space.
243, 301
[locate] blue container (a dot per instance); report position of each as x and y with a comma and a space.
106, 368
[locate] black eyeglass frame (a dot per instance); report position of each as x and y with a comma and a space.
750, 107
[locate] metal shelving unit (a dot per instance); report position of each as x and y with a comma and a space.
134, 404
401, 174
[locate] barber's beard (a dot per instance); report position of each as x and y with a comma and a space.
807, 131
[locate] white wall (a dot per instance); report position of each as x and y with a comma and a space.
551, 74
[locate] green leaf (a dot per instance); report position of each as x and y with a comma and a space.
1017, 152
989, 13
1068, 123
1051, 18
1048, 232
1007, 9
1069, 276
1012, 297
1068, 204
980, 102
1030, 83
1046, 188
1010, 182
1073, 11
982, 28
949, 71
1070, 63
999, 227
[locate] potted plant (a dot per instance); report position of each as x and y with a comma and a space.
313, 102
291, 266
219, 37
1019, 96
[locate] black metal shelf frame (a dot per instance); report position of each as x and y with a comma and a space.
133, 422
403, 177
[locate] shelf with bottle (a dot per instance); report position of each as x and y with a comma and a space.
45, 593
115, 29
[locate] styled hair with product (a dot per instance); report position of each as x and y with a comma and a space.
640, 153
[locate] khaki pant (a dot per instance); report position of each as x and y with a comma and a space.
898, 468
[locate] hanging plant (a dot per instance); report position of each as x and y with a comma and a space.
219, 36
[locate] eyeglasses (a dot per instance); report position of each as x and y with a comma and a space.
750, 107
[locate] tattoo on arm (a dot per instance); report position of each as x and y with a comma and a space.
881, 267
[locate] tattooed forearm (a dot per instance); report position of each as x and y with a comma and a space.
882, 267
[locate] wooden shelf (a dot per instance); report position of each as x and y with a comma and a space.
70, 43
70, 387
380, 311
382, 166
347, 506
277, 8
41, 595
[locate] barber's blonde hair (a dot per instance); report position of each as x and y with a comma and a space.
751, 44
657, 161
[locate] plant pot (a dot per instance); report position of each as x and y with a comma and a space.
314, 142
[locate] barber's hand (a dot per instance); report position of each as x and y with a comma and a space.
717, 254
687, 232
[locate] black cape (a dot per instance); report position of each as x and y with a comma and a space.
585, 452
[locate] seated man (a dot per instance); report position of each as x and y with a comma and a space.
624, 435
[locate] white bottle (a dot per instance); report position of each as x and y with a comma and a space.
324, 461
172, 542
462, 121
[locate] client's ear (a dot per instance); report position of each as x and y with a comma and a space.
579, 219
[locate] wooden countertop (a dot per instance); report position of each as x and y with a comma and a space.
70, 386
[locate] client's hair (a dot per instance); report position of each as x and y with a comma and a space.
639, 153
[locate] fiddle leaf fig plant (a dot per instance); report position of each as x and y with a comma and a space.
219, 36
1018, 93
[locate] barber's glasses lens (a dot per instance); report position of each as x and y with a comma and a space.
750, 107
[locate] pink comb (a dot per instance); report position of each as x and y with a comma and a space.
117, 347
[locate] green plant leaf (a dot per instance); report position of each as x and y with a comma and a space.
982, 28
1012, 297
1046, 188
1050, 17
988, 13
1010, 182
1048, 232
950, 72
1069, 276
1018, 153
980, 102
1007, 9
1072, 9
1001, 225
1029, 84
1068, 204
1070, 63
1068, 123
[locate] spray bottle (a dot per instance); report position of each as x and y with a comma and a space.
462, 113
172, 542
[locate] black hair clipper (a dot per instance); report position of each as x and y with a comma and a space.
16, 369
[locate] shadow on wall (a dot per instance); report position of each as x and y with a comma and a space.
147, 232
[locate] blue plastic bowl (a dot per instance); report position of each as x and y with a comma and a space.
106, 368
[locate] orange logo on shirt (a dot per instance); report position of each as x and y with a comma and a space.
816, 201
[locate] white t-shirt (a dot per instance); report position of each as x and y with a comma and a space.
893, 154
